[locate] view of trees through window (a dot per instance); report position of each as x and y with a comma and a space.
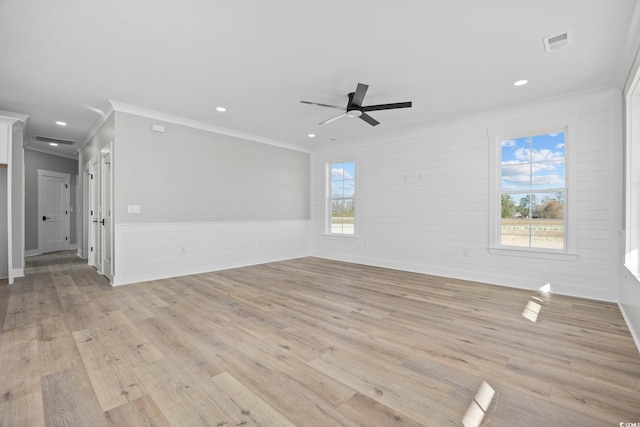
342, 218
533, 191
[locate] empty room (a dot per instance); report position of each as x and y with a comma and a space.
340, 213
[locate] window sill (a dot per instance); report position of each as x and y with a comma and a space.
341, 236
633, 271
532, 253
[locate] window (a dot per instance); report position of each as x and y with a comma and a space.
533, 191
632, 176
533, 177
341, 204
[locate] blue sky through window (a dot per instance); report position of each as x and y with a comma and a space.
342, 179
533, 163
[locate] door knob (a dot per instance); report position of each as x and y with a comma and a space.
102, 222
44, 218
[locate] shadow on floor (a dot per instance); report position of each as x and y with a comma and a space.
41, 263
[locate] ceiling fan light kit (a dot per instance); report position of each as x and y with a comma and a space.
355, 108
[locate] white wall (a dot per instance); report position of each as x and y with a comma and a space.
209, 201
154, 251
425, 225
186, 174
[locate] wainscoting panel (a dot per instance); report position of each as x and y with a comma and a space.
154, 251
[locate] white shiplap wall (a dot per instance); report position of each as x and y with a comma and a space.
154, 251
423, 199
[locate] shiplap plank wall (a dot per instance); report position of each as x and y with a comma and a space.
153, 251
423, 198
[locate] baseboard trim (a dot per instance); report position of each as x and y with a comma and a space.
34, 252
632, 329
465, 274
18, 272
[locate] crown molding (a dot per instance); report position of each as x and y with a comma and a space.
52, 152
106, 111
170, 118
15, 116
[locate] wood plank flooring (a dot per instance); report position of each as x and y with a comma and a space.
306, 342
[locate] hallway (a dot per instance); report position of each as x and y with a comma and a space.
54, 262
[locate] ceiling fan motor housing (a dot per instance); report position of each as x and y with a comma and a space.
355, 109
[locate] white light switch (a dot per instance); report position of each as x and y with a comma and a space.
134, 209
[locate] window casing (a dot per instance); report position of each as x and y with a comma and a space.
632, 177
533, 179
341, 198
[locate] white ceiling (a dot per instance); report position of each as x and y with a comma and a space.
63, 60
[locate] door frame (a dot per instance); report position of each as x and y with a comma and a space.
106, 209
86, 209
66, 203
93, 214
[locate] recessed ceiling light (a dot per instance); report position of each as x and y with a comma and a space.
221, 109
61, 123
312, 135
53, 144
521, 82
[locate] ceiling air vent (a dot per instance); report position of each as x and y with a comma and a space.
54, 140
557, 41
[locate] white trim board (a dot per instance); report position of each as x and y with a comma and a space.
36, 252
32, 252
634, 333
170, 118
102, 118
52, 152
470, 274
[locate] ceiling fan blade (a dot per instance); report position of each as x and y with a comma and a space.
358, 95
367, 118
386, 106
321, 105
333, 119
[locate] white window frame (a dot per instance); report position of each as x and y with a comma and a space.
529, 127
632, 177
329, 198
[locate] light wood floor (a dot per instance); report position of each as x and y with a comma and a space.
306, 342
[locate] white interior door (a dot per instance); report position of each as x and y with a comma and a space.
53, 211
94, 217
106, 222
86, 210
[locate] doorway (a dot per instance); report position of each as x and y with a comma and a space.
53, 211
94, 216
106, 207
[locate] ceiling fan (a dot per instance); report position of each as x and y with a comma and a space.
355, 108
